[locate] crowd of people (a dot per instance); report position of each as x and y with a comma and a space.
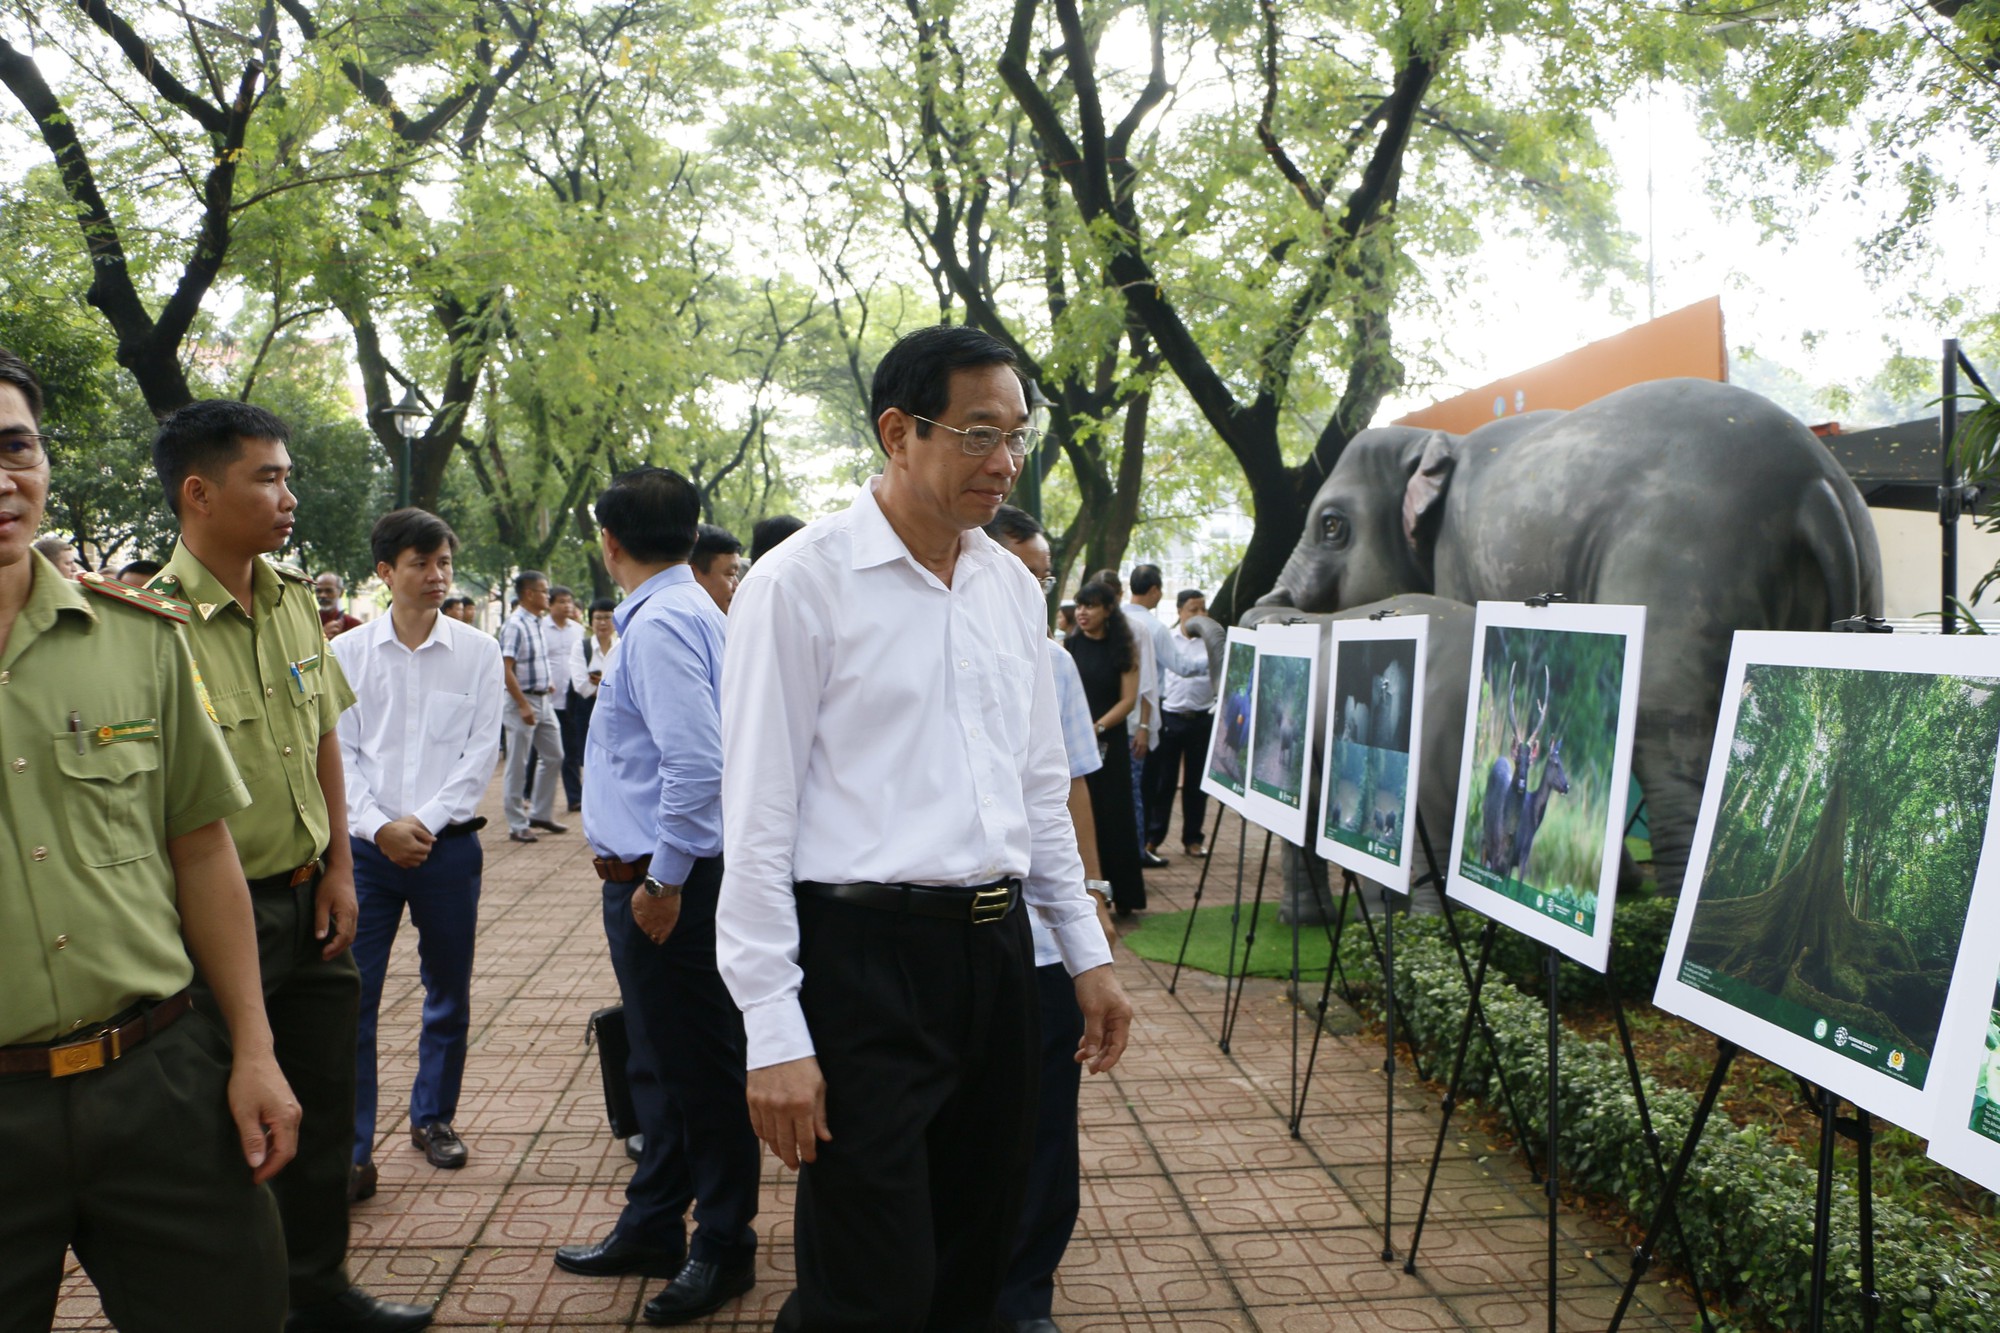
861, 826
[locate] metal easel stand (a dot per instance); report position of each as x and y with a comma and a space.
1230, 976
1202, 884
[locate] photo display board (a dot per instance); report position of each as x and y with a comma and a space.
1281, 729
1549, 719
1844, 830
1374, 720
1226, 774
1966, 1069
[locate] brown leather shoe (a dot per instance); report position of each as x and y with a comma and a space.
522, 835
360, 1182
441, 1145
548, 826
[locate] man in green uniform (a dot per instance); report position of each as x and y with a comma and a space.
127, 1130
254, 628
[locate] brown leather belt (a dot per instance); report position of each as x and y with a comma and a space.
285, 879
979, 904
621, 872
98, 1050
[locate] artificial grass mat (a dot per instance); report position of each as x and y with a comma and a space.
1159, 940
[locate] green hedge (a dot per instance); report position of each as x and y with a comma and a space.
1748, 1204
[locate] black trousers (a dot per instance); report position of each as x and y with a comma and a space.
1177, 760
314, 1006
926, 1033
573, 721
1048, 1216
688, 1059
138, 1165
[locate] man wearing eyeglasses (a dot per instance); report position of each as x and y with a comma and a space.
897, 790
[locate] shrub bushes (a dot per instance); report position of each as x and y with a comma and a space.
1747, 1206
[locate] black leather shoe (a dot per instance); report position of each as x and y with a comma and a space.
441, 1145
700, 1288
1151, 860
635, 1146
614, 1256
548, 826
360, 1182
355, 1311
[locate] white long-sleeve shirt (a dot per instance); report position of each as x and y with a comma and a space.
585, 658
880, 726
425, 727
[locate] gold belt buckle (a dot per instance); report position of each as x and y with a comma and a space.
83, 1056
990, 905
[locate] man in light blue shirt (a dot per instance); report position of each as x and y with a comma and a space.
653, 775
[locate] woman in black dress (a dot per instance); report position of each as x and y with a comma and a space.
1108, 661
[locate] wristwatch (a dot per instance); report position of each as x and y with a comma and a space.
1100, 887
655, 889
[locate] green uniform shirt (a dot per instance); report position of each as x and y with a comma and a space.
276, 690
88, 922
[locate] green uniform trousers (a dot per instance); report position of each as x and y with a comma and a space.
139, 1167
314, 1007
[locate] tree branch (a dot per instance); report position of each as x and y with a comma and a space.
205, 113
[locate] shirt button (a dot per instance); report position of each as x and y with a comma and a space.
267, 691
987, 800
963, 663
6, 676
20, 765
40, 853
302, 807
62, 941
975, 733
288, 749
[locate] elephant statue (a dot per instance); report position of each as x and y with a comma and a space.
1447, 669
1708, 505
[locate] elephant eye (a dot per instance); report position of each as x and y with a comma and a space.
1333, 528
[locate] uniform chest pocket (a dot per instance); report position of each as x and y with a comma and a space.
240, 714
111, 799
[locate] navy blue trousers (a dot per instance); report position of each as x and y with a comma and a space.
687, 1066
442, 896
1048, 1214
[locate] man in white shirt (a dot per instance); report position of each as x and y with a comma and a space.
587, 662
897, 787
1144, 722
1187, 709
561, 634
417, 750
530, 724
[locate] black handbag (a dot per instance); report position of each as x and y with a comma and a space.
607, 1029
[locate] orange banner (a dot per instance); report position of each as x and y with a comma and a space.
1686, 343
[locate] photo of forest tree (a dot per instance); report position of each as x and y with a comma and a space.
1847, 836
1538, 804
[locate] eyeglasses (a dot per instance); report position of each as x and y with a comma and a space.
983, 440
21, 450
1048, 582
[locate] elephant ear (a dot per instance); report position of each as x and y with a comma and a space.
1425, 490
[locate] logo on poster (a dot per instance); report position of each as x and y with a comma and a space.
1840, 1036
1896, 1061
1819, 1030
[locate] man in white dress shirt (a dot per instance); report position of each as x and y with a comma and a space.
561, 634
417, 750
897, 788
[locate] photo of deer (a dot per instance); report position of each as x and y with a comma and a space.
1368, 759
1545, 733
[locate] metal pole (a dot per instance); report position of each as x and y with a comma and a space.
1948, 493
403, 482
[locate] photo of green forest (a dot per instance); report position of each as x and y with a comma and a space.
1986, 1092
1847, 836
1538, 803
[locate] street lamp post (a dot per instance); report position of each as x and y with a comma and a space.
408, 415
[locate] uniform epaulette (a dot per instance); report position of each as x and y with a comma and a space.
293, 573
166, 608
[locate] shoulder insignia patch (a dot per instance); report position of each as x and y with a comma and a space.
293, 573
201, 688
166, 608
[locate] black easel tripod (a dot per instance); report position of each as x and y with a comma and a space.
1229, 977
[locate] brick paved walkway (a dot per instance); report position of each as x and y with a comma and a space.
1200, 1212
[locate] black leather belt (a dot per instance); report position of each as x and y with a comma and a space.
460, 830
978, 904
111, 1043
286, 879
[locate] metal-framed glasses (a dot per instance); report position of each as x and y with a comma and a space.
980, 441
1048, 582
22, 449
